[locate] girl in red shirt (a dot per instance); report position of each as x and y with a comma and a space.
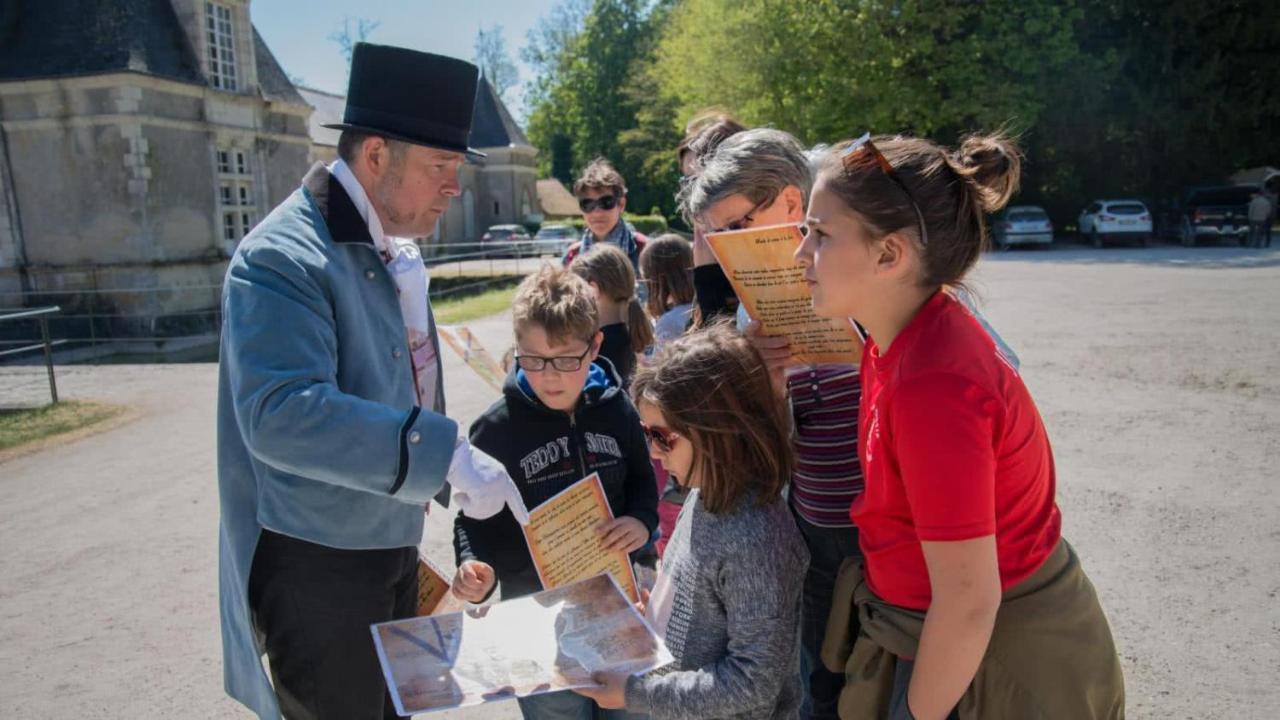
959, 526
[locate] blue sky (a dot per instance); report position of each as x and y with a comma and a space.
298, 31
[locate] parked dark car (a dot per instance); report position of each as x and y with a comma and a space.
507, 241
1213, 213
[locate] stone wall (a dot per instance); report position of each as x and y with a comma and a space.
116, 183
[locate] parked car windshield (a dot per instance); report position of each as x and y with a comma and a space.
1126, 209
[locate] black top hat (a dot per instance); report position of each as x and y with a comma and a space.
413, 96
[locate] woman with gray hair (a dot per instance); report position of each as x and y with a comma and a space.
740, 188
753, 179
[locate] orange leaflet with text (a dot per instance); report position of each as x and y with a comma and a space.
563, 542
759, 263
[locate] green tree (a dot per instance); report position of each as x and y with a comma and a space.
596, 97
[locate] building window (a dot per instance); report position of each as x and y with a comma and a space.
237, 206
220, 37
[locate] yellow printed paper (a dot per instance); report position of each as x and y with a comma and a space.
759, 263
434, 597
563, 542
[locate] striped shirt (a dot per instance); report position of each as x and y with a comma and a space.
828, 475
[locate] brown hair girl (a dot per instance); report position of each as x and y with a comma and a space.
666, 267
713, 389
608, 268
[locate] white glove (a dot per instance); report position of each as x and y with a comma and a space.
481, 486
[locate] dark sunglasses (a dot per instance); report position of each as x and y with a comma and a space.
848, 157
563, 363
604, 202
662, 437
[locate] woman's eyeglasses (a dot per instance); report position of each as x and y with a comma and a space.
850, 154
604, 202
662, 437
563, 363
747, 220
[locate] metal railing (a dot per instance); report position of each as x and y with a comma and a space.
494, 257
185, 318
42, 316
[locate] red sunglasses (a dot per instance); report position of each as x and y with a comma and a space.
662, 437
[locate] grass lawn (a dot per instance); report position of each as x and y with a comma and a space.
18, 427
454, 311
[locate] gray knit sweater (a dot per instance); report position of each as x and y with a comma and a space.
735, 620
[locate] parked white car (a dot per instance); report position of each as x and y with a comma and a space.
1022, 225
1106, 220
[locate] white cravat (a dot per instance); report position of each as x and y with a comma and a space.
404, 262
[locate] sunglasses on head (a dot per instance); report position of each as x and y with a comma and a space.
604, 202
662, 437
849, 157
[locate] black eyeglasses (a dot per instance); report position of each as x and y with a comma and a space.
749, 219
848, 157
604, 202
563, 363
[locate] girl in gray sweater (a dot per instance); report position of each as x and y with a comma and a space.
727, 599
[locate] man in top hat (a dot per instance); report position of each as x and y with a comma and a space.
332, 437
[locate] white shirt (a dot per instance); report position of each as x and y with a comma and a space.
404, 263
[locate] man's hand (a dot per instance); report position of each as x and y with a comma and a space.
625, 533
776, 351
481, 486
473, 581
612, 693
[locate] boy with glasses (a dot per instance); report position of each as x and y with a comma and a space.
564, 415
602, 198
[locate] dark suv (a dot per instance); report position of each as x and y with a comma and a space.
1214, 212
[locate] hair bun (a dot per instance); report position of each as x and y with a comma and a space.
993, 163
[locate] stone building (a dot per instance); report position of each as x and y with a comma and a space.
139, 140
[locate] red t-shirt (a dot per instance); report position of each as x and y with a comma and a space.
953, 448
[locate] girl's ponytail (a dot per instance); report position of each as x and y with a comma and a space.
638, 325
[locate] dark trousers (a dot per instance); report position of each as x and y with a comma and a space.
1258, 234
828, 547
313, 605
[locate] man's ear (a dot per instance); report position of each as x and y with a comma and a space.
622, 203
595, 345
375, 154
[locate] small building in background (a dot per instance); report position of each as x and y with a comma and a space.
556, 200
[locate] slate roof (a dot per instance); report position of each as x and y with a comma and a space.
274, 84
64, 38
56, 38
492, 125
328, 109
